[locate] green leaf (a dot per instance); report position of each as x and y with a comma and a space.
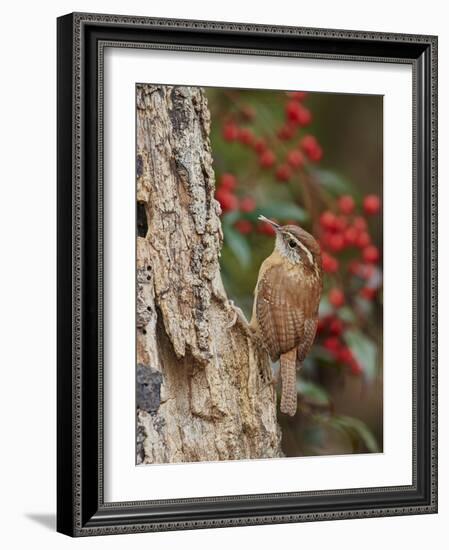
313, 392
332, 181
230, 218
364, 350
283, 211
346, 314
358, 429
237, 244
325, 307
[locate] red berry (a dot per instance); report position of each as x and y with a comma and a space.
297, 113
246, 136
355, 367
363, 239
291, 110
266, 228
346, 204
336, 326
230, 131
368, 293
247, 204
304, 116
328, 220
308, 143
350, 235
330, 264
341, 223
332, 344
336, 297
336, 242
243, 226
371, 254
345, 356
359, 223
286, 132
267, 159
371, 204
283, 172
227, 200
260, 145
228, 182
295, 158
315, 155
311, 148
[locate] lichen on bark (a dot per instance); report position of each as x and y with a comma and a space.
204, 385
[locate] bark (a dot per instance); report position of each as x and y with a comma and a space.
204, 386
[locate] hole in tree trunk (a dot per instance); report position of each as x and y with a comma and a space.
142, 222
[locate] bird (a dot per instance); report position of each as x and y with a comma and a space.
286, 301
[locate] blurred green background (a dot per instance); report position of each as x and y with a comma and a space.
314, 159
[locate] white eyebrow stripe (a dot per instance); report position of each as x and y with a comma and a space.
306, 250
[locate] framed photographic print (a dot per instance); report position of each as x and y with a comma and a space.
247, 273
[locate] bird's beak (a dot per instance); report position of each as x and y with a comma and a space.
271, 222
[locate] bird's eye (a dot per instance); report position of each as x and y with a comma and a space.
292, 243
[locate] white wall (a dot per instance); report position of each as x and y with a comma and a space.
27, 290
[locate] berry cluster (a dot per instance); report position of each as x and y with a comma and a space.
227, 198
347, 248
230, 202
225, 194
343, 231
268, 151
331, 328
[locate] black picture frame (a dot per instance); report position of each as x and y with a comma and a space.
81, 509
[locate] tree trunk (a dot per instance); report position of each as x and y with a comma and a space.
204, 386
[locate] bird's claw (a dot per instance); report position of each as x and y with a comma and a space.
238, 315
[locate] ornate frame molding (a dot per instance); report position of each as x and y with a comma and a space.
81, 41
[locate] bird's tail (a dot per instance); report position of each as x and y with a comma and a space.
288, 376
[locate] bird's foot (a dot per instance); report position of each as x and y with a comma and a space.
237, 317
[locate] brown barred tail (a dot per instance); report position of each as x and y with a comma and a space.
289, 396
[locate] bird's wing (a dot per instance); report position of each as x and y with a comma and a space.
279, 311
310, 326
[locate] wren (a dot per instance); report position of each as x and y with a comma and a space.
286, 301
